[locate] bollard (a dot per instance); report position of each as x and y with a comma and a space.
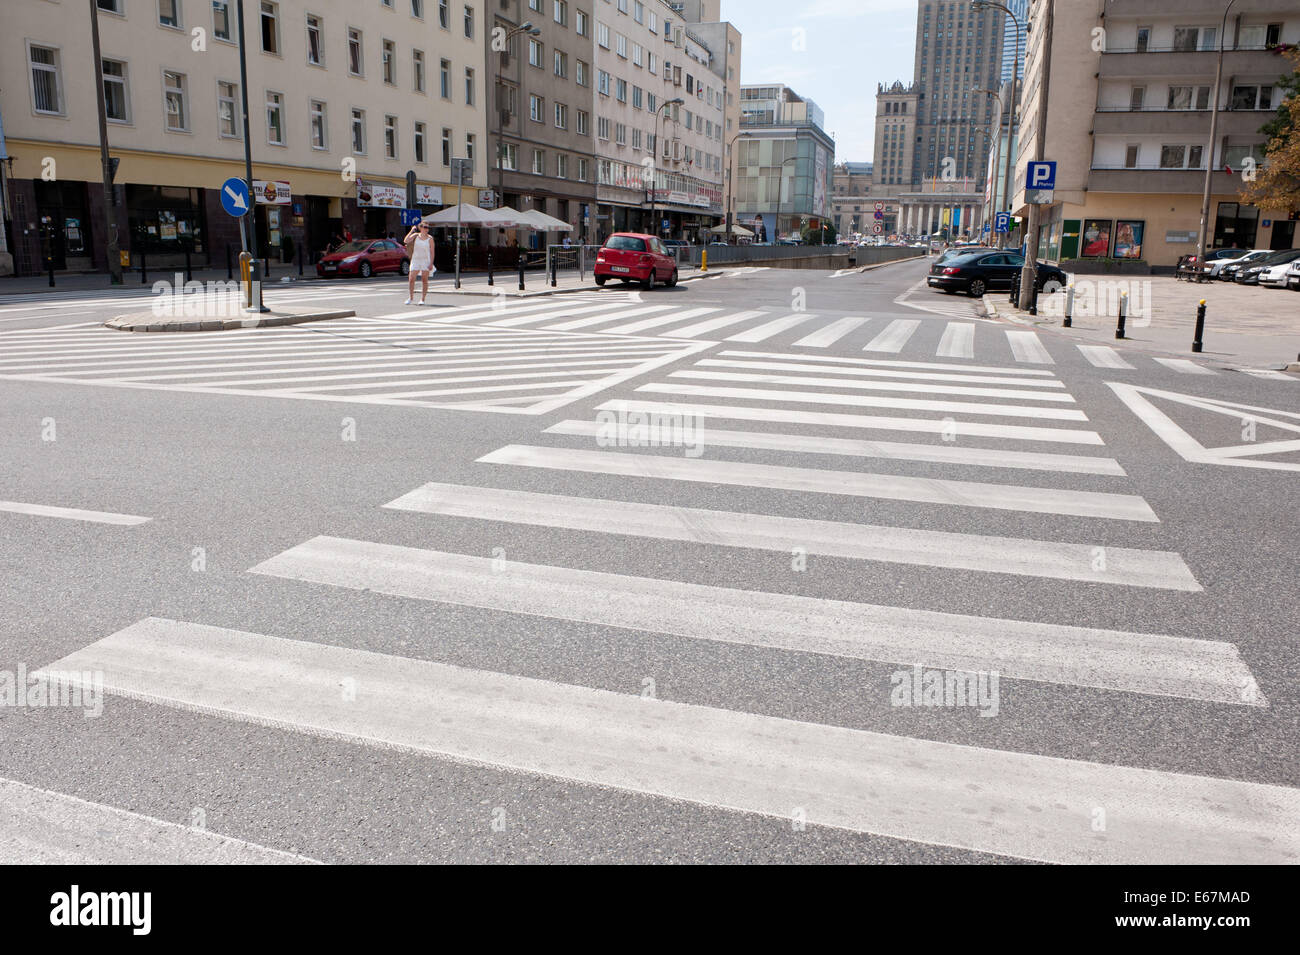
189, 274
1033, 298
245, 278
300, 261
49, 265
554, 266
489, 265
144, 279
266, 267
1123, 314
1197, 341
230, 267
704, 260
521, 270
1069, 306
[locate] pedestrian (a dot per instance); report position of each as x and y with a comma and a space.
568, 243
347, 235
419, 246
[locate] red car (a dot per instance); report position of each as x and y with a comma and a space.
365, 257
631, 256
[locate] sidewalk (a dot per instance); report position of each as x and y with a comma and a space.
1244, 326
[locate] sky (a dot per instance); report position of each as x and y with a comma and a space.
833, 52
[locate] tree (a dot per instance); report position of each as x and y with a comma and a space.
1277, 182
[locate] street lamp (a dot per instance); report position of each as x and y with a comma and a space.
1011, 109
780, 184
731, 179
659, 116
525, 27
1209, 153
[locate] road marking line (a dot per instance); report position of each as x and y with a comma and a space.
1026, 347
647, 323
712, 324
881, 373
871, 385
1266, 373
895, 335
605, 309
895, 487
595, 366
825, 337
1184, 366
890, 363
958, 341
770, 329
72, 514
608, 316
1103, 356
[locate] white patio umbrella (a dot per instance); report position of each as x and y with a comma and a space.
544, 223
473, 217
738, 230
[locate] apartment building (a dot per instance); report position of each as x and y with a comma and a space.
852, 204
726, 44
784, 161
543, 128
1128, 124
345, 97
660, 109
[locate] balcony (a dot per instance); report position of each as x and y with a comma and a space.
1160, 9
1123, 64
1154, 181
1187, 122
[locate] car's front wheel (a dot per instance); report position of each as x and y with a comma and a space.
601, 279
405, 267
977, 288
366, 270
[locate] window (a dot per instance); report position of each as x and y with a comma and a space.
583, 123
390, 137
561, 63
319, 136
1188, 97
509, 156
117, 104
602, 82
359, 131
469, 146
418, 140
110, 6
636, 97
534, 53
535, 108
315, 54
561, 116
356, 64
562, 166
1191, 39
1143, 39
581, 73
561, 13
1137, 98
1180, 156
444, 78
270, 19
602, 34
274, 118
620, 88
389, 62
602, 128
620, 45
539, 162
469, 86
446, 146
417, 8
444, 14
1131, 153
1252, 97
175, 106
469, 21
221, 19
582, 23
582, 170
417, 69
169, 13
227, 115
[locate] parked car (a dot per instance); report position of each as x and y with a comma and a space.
365, 257
1187, 264
672, 245
963, 250
980, 272
1256, 272
1293, 276
633, 256
1249, 273
1274, 275
1228, 268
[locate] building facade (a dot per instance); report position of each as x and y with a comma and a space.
852, 204
1128, 125
345, 97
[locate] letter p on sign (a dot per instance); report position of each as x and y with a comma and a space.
1041, 175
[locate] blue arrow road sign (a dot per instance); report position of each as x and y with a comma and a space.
411, 217
1041, 175
234, 197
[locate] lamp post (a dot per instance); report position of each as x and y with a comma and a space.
525, 27
249, 221
650, 171
731, 178
1011, 108
1209, 153
780, 184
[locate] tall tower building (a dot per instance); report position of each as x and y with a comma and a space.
1009, 40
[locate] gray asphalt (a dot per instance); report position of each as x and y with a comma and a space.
246, 478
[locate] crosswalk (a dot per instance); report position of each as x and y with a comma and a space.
992, 439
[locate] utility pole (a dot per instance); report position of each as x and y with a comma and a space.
250, 227
106, 165
1209, 153
1029, 274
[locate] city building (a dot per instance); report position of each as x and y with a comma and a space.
852, 205
896, 117
784, 160
1128, 124
1013, 45
344, 99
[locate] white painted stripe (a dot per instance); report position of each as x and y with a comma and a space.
647, 323
867, 401
894, 487
1184, 366
610, 315
501, 306
581, 370
40, 827
891, 363
995, 801
830, 334
535, 318
1266, 373
926, 387
709, 436
958, 341
71, 513
770, 329
882, 373
830, 419
1103, 356
713, 324
895, 335
1026, 347
1076, 656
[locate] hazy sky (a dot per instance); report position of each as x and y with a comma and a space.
848, 47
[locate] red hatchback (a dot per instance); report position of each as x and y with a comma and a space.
631, 256
364, 257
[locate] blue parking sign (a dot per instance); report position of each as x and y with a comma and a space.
1002, 222
1041, 175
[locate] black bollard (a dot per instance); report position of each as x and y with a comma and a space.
554, 266
1069, 307
300, 261
521, 270
189, 274
489, 265
1123, 314
230, 268
266, 267
1197, 341
144, 279
49, 265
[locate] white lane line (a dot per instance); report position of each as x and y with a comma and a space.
995, 801
958, 341
771, 329
926, 387
881, 373
1103, 356
40, 827
634, 328
1124, 567
895, 335
1075, 656
369, 378
1026, 347
830, 419
829, 335
608, 316
712, 325
1184, 366
71, 514
1003, 497
1266, 373
867, 401
517, 321
706, 435
890, 363
504, 311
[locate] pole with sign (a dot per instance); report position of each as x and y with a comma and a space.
461, 169
249, 231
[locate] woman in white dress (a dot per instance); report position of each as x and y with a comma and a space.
420, 245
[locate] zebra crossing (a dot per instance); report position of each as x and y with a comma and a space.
996, 800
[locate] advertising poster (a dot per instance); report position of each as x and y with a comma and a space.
819, 184
1128, 238
1096, 239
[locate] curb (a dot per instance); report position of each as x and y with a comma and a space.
134, 323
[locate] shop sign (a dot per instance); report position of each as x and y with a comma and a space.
380, 195
271, 192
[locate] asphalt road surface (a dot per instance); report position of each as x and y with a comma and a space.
774, 566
